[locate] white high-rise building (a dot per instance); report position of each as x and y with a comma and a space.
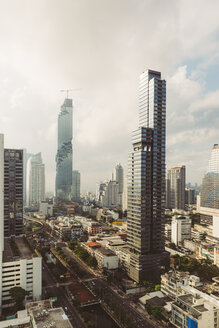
111, 195
36, 180
181, 229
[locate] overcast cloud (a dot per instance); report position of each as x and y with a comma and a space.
102, 46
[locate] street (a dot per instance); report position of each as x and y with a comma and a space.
62, 299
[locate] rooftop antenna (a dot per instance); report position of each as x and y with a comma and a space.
68, 90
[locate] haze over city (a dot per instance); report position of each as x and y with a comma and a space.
101, 47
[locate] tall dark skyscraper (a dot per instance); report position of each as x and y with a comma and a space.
146, 182
64, 153
13, 192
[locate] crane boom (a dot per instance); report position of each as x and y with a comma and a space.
68, 90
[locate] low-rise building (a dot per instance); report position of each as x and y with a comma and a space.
191, 245
43, 315
76, 230
194, 311
91, 227
105, 257
173, 281
66, 228
46, 208
63, 231
203, 228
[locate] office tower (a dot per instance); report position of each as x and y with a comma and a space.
36, 170
209, 196
64, 152
181, 229
13, 192
146, 182
76, 185
189, 196
120, 180
175, 187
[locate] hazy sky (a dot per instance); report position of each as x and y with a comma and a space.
102, 46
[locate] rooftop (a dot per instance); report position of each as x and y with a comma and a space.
106, 252
93, 244
46, 318
16, 248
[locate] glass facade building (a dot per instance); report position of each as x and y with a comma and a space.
64, 153
146, 182
210, 182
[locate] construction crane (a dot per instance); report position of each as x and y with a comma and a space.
68, 90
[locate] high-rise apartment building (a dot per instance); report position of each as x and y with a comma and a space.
209, 196
175, 187
64, 153
119, 178
76, 185
36, 180
146, 182
13, 192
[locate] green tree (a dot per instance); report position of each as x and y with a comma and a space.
156, 311
157, 287
149, 286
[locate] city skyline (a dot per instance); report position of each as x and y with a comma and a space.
99, 60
